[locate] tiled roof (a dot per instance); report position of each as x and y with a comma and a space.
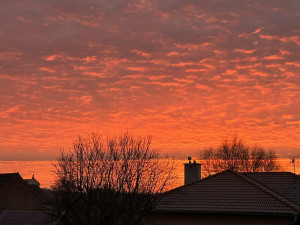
25, 218
286, 184
226, 192
5, 177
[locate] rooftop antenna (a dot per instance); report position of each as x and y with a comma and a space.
293, 161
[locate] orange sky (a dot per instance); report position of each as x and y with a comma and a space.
189, 73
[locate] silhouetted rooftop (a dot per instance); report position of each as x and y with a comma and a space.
286, 184
5, 177
238, 193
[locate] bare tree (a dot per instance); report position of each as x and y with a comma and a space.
235, 155
111, 181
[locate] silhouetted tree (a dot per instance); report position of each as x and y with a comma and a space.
111, 181
235, 155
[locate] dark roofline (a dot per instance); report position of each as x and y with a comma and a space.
267, 190
253, 182
296, 175
12, 175
185, 185
9, 173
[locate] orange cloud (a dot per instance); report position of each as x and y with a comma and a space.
188, 73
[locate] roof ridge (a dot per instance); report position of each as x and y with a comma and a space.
278, 172
269, 191
185, 185
295, 176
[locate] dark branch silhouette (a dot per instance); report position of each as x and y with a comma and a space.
111, 181
235, 155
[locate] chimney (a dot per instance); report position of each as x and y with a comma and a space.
192, 171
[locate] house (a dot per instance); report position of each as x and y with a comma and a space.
232, 198
32, 181
22, 201
16, 195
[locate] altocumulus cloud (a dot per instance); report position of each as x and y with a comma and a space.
187, 72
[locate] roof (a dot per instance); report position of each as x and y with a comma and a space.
24, 218
230, 192
32, 181
5, 177
35, 190
286, 184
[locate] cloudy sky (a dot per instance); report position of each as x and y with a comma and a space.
188, 73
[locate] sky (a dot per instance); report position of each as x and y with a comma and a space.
188, 73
